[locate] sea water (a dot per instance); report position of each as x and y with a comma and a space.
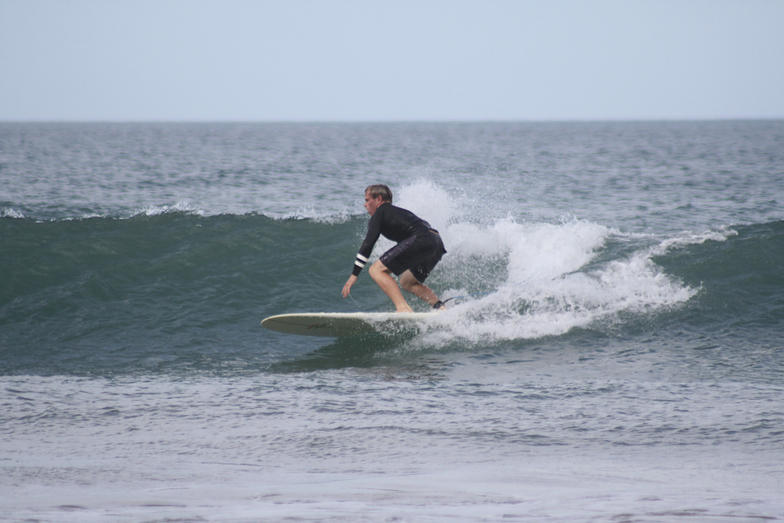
613, 351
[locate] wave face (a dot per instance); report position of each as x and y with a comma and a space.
179, 290
101, 293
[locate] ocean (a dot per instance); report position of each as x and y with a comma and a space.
614, 351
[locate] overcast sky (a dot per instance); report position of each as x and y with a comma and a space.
366, 60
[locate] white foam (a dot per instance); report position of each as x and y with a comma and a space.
555, 301
689, 238
429, 201
544, 278
8, 212
183, 206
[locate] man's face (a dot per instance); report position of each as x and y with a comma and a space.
371, 204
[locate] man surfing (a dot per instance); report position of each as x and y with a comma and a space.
419, 248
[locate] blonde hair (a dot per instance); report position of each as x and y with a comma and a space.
379, 190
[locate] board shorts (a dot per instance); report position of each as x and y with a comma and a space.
418, 254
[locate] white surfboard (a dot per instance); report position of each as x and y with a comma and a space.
339, 324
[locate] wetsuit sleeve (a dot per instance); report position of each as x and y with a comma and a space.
373, 232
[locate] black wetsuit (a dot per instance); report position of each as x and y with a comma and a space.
419, 246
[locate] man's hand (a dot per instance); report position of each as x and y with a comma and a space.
347, 287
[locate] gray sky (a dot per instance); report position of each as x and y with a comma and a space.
358, 60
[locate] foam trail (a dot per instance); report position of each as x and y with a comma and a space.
555, 297
530, 280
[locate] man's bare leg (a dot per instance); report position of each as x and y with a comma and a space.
383, 277
420, 290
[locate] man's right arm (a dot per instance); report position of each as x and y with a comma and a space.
373, 233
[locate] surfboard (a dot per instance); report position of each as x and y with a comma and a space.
340, 324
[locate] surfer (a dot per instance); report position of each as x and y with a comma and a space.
419, 248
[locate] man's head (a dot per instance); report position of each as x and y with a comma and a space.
374, 191
375, 196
